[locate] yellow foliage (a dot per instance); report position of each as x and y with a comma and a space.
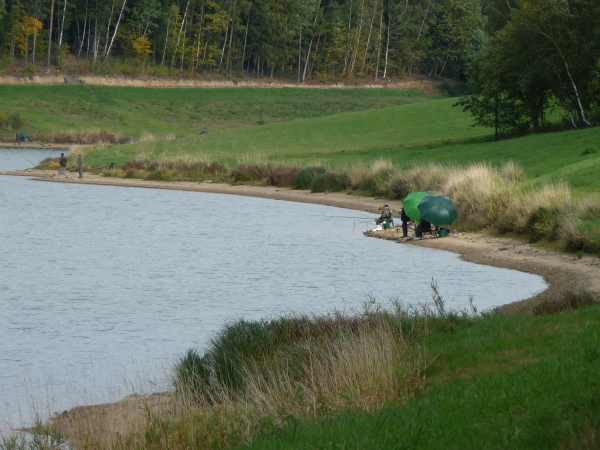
141, 46
28, 26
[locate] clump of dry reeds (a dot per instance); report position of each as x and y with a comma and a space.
266, 372
83, 137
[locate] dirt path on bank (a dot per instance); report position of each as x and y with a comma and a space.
563, 272
427, 86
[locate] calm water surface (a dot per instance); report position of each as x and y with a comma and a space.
101, 288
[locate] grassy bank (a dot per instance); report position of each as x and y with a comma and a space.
80, 113
402, 379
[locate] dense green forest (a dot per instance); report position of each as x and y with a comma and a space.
294, 38
522, 59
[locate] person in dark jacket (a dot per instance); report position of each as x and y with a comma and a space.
62, 161
422, 227
405, 219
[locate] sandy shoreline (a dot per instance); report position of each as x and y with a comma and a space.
563, 272
35, 146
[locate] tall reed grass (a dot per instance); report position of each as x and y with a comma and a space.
257, 376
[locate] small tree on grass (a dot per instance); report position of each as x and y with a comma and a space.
28, 26
4, 120
16, 121
142, 48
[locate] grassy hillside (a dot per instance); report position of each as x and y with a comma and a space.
133, 112
326, 138
409, 134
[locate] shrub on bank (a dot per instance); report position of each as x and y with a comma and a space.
283, 176
375, 179
250, 173
83, 137
566, 301
306, 176
330, 182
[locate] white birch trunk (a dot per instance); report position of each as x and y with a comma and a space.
379, 42
112, 41
109, 23
179, 34
349, 44
62, 24
82, 40
357, 47
164, 55
50, 29
364, 64
246, 41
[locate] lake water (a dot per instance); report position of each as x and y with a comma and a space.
101, 288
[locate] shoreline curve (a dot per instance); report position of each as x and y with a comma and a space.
563, 272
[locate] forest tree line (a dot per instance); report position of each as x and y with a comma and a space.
300, 39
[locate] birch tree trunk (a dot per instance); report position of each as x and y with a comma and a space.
183, 49
82, 40
50, 32
246, 39
356, 48
379, 41
109, 23
299, 55
164, 55
179, 34
229, 52
349, 40
199, 38
62, 24
224, 46
112, 41
312, 39
387, 51
34, 46
96, 41
364, 64
578, 100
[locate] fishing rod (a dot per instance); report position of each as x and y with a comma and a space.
346, 217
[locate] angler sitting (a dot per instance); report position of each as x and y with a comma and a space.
386, 218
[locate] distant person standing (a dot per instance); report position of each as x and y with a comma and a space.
80, 165
405, 219
62, 161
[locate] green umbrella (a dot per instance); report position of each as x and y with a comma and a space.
437, 210
411, 204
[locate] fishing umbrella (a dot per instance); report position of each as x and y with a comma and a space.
437, 210
411, 204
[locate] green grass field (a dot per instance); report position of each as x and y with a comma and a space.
336, 127
179, 112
